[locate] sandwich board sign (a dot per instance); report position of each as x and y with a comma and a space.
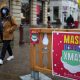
66, 54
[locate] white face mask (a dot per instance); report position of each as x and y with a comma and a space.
4, 11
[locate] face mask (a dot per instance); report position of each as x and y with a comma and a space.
4, 12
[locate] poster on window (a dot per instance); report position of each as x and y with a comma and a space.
66, 54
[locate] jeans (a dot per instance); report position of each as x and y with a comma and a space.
6, 47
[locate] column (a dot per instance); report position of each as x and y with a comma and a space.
33, 13
2, 3
45, 13
16, 10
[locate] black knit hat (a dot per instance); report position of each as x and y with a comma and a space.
4, 11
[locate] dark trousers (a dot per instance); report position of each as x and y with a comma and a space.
6, 47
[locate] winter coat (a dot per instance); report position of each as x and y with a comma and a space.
1, 26
70, 20
9, 26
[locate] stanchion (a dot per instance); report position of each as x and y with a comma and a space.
21, 35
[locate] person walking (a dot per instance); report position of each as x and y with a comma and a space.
9, 26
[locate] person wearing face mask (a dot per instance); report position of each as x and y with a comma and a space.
9, 26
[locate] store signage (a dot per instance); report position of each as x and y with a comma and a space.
66, 54
34, 37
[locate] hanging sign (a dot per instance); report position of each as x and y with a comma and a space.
34, 37
66, 54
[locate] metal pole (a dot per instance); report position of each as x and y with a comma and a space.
35, 75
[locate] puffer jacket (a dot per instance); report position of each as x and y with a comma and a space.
9, 26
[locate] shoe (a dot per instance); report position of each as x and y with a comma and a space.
1, 61
10, 58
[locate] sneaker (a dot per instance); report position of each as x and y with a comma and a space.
1, 61
10, 58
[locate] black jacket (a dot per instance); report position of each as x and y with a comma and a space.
70, 20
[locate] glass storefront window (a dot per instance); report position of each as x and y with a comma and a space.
56, 12
25, 10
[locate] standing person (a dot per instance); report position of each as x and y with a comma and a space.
70, 22
49, 26
38, 19
9, 26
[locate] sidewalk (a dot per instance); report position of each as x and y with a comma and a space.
11, 70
